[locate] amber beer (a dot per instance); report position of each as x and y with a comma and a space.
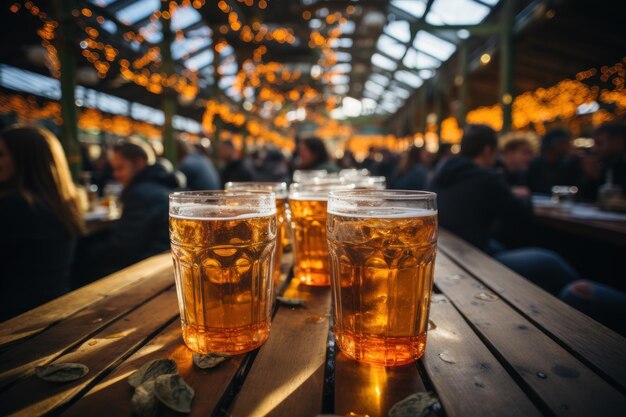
382, 248
223, 250
282, 214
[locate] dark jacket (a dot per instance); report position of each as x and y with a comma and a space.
542, 175
513, 178
472, 200
414, 179
142, 231
239, 170
36, 253
200, 172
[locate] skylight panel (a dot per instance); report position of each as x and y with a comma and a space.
391, 47
419, 60
201, 60
183, 17
379, 79
373, 87
457, 12
343, 67
339, 79
413, 7
188, 46
399, 30
383, 62
401, 92
343, 57
138, 10
347, 28
408, 78
433, 45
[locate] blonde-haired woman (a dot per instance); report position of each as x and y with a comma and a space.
40, 219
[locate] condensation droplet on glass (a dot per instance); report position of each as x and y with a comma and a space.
438, 298
542, 375
486, 296
315, 319
447, 357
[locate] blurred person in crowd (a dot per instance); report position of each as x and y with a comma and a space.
102, 172
556, 165
234, 169
473, 199
142, 230
439, 159
411, 174
347, 160
371, 160
387, 165
312, 154
40, 217
513, 163
273, 167
198, 169
608, 165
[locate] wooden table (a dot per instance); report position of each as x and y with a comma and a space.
498, 346
613, 232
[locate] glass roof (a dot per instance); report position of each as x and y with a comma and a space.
402, 57
408, 57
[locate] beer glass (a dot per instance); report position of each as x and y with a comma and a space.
300, 175
382, 246
308, 223
282, 213
223, 250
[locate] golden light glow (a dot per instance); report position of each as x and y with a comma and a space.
485, 58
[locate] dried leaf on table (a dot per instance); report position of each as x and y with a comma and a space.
151, 370
174, 392
422, 404
62, 372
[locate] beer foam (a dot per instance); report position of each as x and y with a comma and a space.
385, 212
197, 213
309, 196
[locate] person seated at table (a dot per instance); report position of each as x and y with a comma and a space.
411, 174
40, 219
142, 230
556, 165
513, 162
473, 199
198, 169
609, 162
313, 155
234, 169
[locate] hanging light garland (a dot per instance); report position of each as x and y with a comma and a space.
561, 101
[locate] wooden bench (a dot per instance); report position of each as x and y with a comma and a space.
498, 346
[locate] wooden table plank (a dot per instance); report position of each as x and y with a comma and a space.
548, 372
602, 230
372, 390
102, 352
287, 376
209, 385
589, 340
42, 317
468, 379
46, 346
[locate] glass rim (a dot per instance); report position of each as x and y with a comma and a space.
241, 194
259, 183
361, 194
